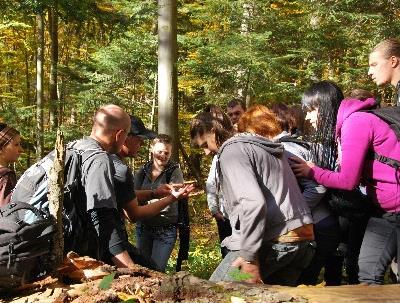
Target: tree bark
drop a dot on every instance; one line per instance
(56, 197)
(153, 111)
(195, 172)
(244, 74)
(39, 84)
(167, 72)
(53, 32)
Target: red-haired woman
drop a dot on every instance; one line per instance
(258, 120)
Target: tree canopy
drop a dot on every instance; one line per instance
(107, 53)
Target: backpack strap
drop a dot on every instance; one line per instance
(170, 171)
(300, 142)
(386, 160)
(10, 208)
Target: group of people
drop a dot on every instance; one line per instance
(274, 189)
(111, 194)
(268, 187)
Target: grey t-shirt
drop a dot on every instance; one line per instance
(124, 184)
(97, 175)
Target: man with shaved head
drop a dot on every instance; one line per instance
(106, 206)
(101, 201)
(110, 127)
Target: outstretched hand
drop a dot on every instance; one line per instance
(300, 167)
(182, 192)
(163, 190)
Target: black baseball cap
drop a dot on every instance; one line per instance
(138, 129)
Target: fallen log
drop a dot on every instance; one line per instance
(139, 284)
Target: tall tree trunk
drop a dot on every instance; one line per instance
(244, 74)
(53, 31)
(39, 83)
(153, 111)
(27, 97)
(167, 73)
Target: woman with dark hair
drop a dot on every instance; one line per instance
(215, 199)
(364, 139)
(272, 235)
(321, 101)
(10, 150)
(326, 225)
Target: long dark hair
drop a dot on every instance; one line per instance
(326, 96)
(207, 122)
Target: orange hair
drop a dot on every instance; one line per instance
(259, 120)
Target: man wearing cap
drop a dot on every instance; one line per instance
(127, 197)
(130, 148)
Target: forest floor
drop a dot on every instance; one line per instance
(109, 285)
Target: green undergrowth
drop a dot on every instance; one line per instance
(204, 250)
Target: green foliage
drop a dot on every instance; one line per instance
(237, 275)
(105, 283)
(204, 257)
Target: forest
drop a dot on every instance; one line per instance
(62, 59)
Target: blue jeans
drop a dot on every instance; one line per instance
(156, 242)
(378, 249)
(280, 263)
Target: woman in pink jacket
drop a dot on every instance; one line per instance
(361, 134)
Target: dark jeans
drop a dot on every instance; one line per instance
(352, 234)
(137, 256)
(280, 263)
(224, 230)
(157, 242)
(378, 249)
(356, 231)
(140, 258)
(327, 237)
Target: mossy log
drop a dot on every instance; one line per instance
(146, 286)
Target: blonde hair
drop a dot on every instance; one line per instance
(389, 47)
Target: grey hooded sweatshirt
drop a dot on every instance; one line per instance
(263, 199)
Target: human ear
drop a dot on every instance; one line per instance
(119, 135)
(394, 61)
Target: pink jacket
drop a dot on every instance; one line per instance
(359, 133)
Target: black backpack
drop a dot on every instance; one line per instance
(24, 247)
(32, 188)
(391, 115)
(344, 203)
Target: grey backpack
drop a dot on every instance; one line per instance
(33, 188)
(24, 247)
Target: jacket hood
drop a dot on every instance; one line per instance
(274, 148)
(349, 106)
